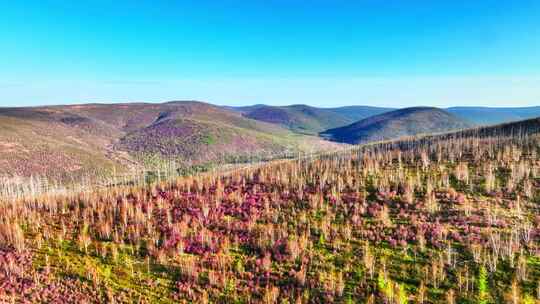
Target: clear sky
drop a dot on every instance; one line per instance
(323, 53)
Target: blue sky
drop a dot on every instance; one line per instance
(324, 53)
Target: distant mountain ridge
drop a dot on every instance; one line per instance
(491, 116)
(480, 116)
(398, 123)
(71, 140)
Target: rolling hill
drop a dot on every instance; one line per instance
(298, 118)
(307, 119)
(73, 140)
(398, 123)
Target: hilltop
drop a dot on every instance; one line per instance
(398, 123)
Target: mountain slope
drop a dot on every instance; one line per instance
(490, 116)
(398, 123)
(74, 140)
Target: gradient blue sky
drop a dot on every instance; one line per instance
(324, 53)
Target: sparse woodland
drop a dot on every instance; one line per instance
(443, 219)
